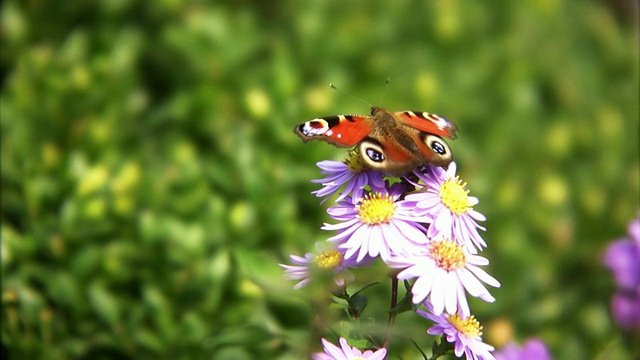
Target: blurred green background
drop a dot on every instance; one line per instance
(151, 181)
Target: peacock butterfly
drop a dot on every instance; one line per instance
(392, 142)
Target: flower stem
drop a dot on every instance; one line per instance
(392, 314)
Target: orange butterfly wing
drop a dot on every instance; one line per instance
(427, 122)
(339, 130)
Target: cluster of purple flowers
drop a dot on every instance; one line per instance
(623, 259)
(423, 225)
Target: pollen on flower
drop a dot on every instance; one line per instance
(448, 255)
(328, 260)
(376, 209)
(354, 162)
(454, 196)
(470, 327)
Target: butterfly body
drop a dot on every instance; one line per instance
(392, 142)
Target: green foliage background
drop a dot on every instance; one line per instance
(151, 182)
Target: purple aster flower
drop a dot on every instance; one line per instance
(464, 332)
(311, 264)
(351, 172)
(532, 349)
(345, 352)
(379, 225)
(625, 307)
(446, 205)
(443, 273)
(623, 259)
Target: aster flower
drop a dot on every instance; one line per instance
(464, 332)
(326, 261)
(623, 259)
(352, 174)
(625, 307)
(446, 205)
(378, 225)
(444, 271)
(532, 349)
(345, 352)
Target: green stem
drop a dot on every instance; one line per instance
(392, 314)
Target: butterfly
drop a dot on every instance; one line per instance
(392, 142)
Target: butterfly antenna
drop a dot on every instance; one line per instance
(386, 86)
(349, 95)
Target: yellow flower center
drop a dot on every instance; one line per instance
(376, 209)
(454, 196)
(354, 162)
(470, 327)
(328, 260)
(447, 254)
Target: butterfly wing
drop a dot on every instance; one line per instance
(339, 130)
(388, 156)
(427, 122)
